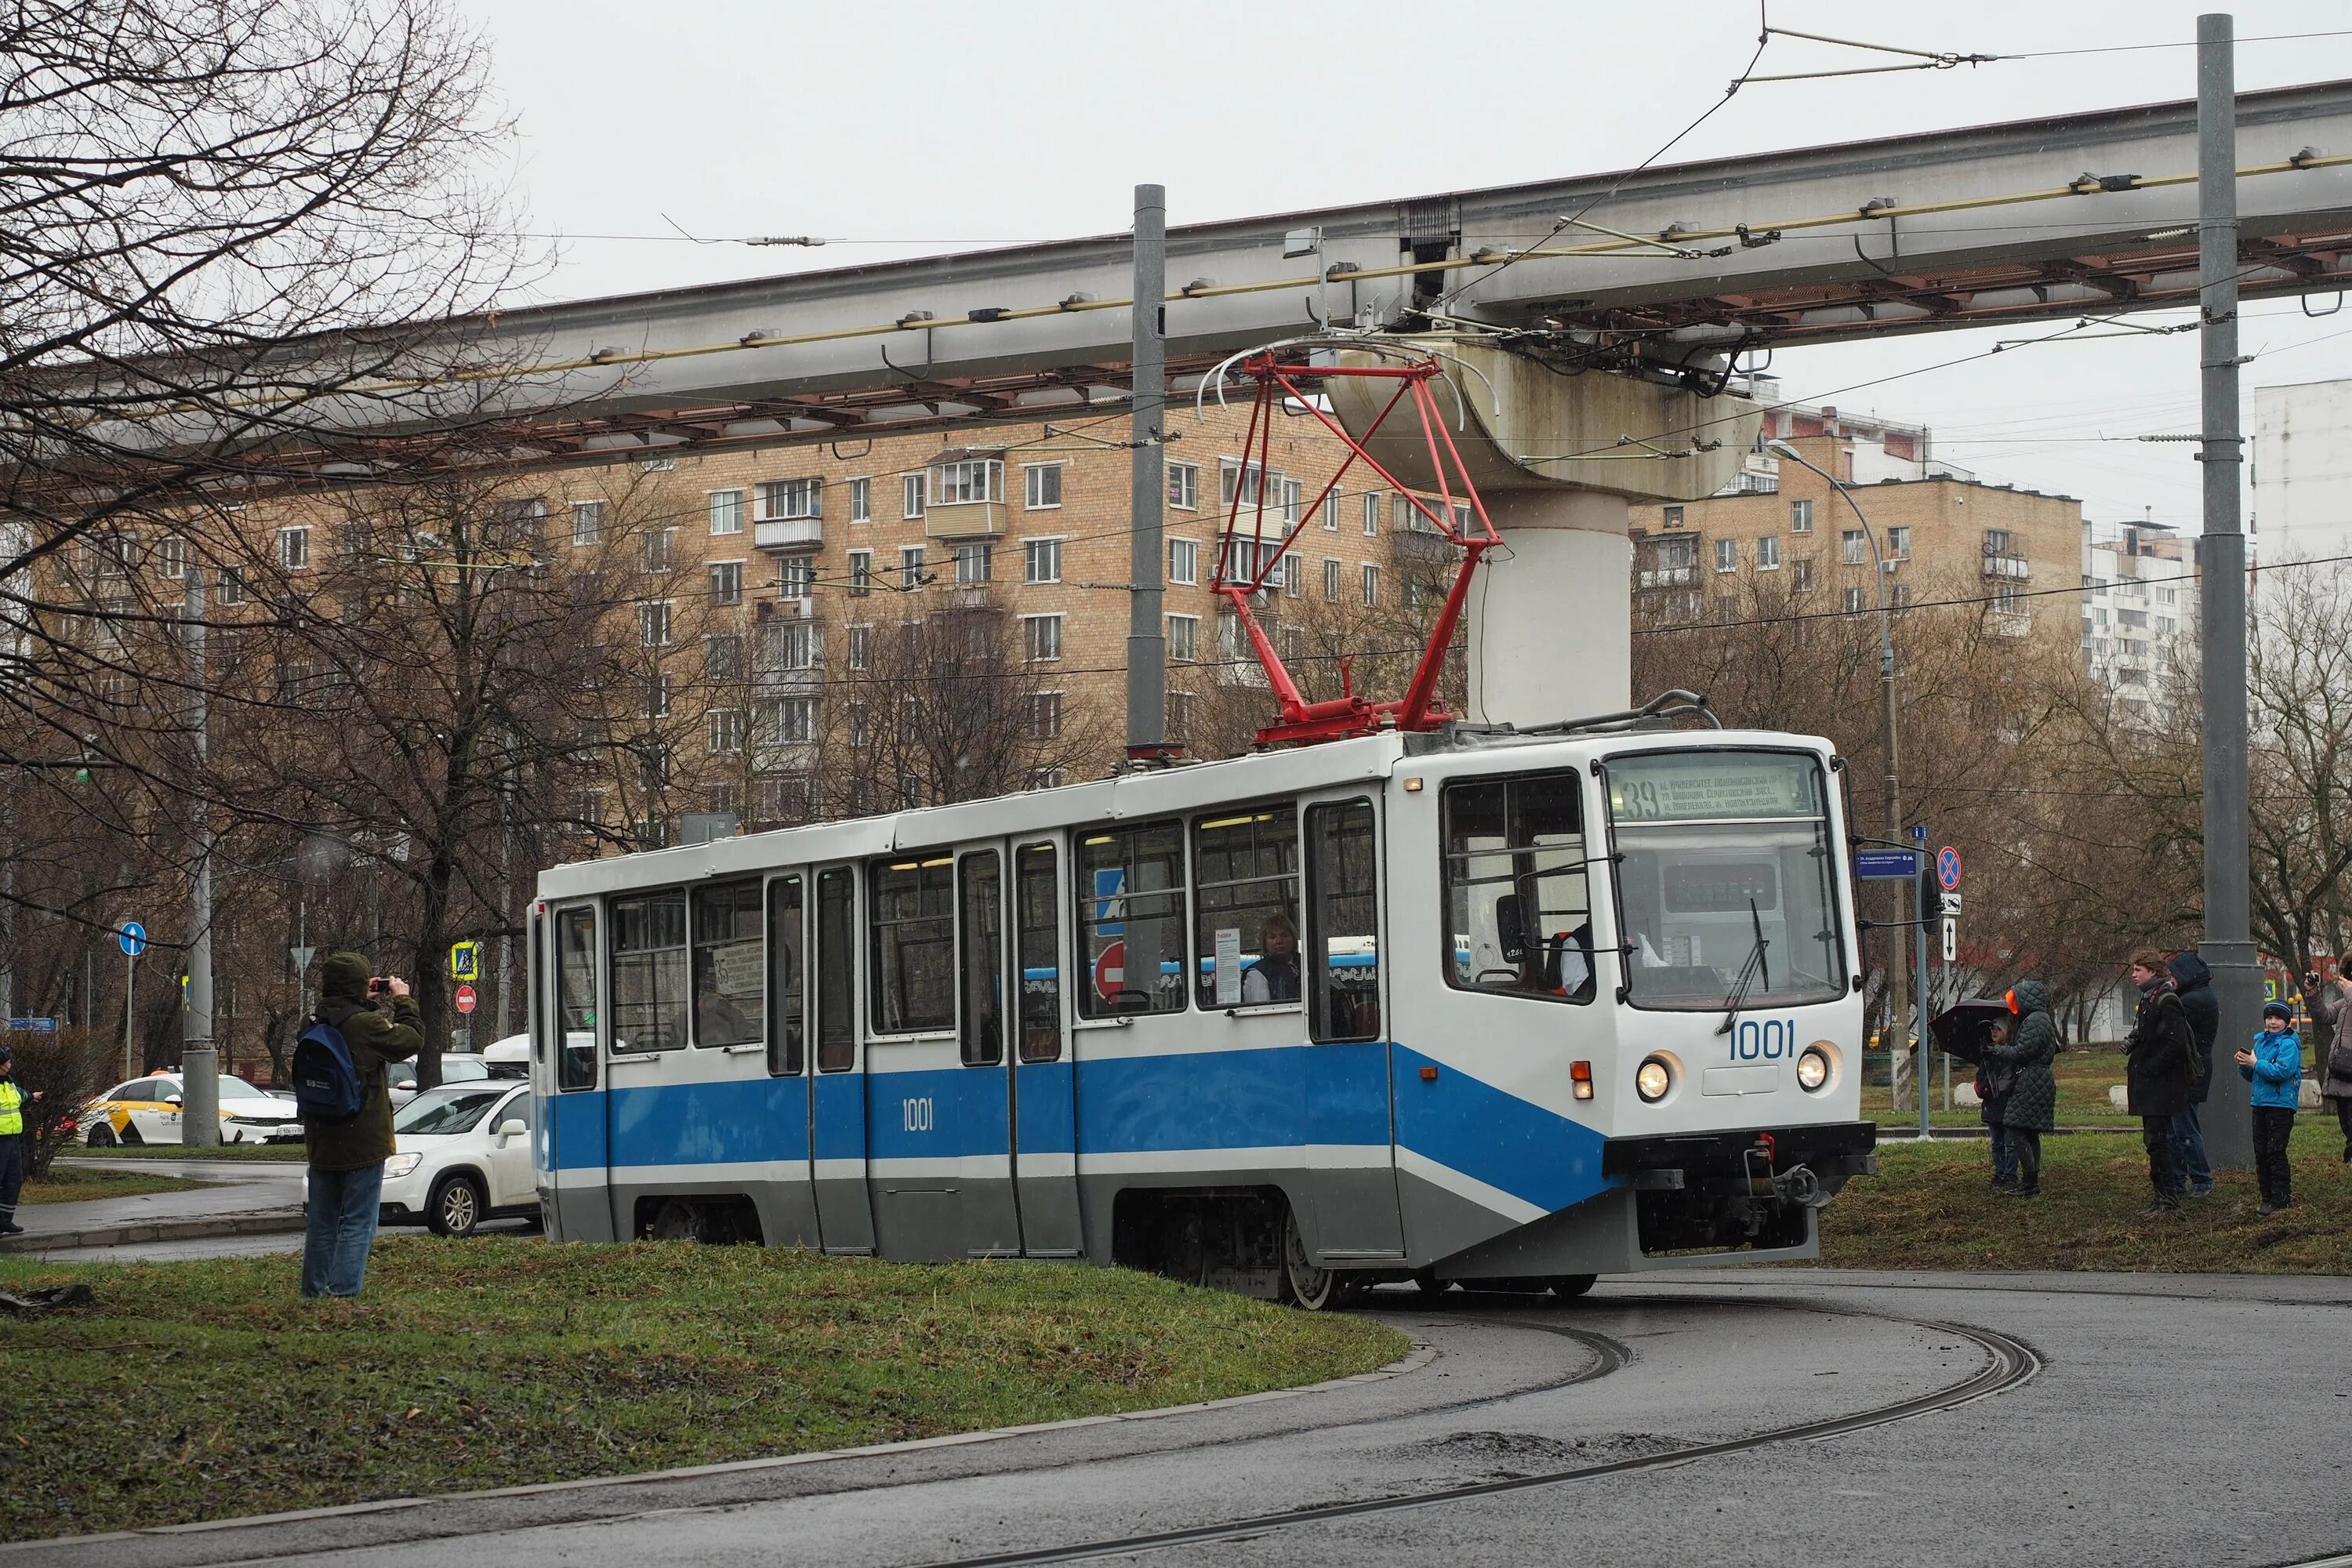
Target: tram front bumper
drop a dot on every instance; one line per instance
(1750, 1188)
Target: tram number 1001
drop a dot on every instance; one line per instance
(915, 1115)
(1764, 1039)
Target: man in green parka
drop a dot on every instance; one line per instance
(347, 1157)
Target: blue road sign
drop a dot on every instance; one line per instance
(33, 1026)
(1919, 833)
(132, 937)
(1948, 867)
(1885, 865)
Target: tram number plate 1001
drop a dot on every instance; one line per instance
(915, 1115)
(1764, 1039)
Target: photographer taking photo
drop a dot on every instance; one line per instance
(347, 1154)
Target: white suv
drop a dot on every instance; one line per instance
(462, 1155)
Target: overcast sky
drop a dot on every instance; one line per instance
(910, 128)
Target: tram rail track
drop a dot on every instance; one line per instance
(2009, 1362)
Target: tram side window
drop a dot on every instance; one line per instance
(1039, 953)
(911, 914)
(787, 967)
(575, 998)
(980, 916)
(1343, 943)
(836, 1030)
(1518, 912)
(649, 972)
(729, 971)
(1246, 871)
(1130, 893)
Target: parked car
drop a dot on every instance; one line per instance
(455, 1068)
(462, 1156)
(147, 1111)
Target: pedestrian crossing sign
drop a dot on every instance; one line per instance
(465, 960)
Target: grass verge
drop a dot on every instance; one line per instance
(293, 1151)
(1929, 1207)
(78, 1183)
(198, 1389)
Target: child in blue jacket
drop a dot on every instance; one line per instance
(2275, 1067)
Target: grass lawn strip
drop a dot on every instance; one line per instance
(79, 1184)
(1929, 1207)
(204, 1387)
(261, 1152)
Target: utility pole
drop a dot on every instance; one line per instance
(199, 1063)
(1146, 646)
(2228, 948)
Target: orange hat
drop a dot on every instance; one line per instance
(2010, 998)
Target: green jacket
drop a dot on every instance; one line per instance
(366, 1139)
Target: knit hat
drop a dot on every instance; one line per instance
(2278, 1010)
(345, 975)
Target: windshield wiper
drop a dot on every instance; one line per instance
(1755, 966)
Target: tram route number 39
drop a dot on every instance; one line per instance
(915, 1115)
(1764, 1039)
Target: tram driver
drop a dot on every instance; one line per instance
(1274, 976)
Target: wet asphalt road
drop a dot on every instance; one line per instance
(2173, 1421)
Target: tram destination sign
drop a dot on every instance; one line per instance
(1697, 786)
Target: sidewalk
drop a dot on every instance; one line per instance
(240, 1198)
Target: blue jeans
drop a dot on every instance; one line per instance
(338, 1228)
(2004, 1155)
(2189, 1162)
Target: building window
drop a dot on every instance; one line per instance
(861, 725)
(975, 563)
(1996, 542)
(1239, 482)
(1044, 485)
(1855, 547)
(1899, 595)
(789, 646)
(654, 549)
(795, 577)
(1331, 511)
(1041, 637)
(232, 586)
(793, 719)
(1330, 580)
(726, 512)
(653, 623)
(1372, 513)
(1800, 574)
(1673, 517)
(861, 648)
(790, 499)
(1043, 715)
(726, 583)
(657, 691)
(1183, 561)
(172, 557)
(1801, 517)
(968, 481)
(587, 524)
(1854, 602)
(914, 488)
(1372, 584)
(1041, 560)
(1184, 638)
(1898, 544)
(1405, 512)
(1726, 555)
(294, 549)
(1184, 486)
(726, 726)
(861, 573)
(1179, 716)
(1294, 497)
(910, 566)
(861, 500)
(723, 658)
(1768, 553)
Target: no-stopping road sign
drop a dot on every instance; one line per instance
(1948, 867)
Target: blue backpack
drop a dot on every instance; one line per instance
(326, 1080)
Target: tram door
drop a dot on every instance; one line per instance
(564, 1072)
(1348, 1080)
(985, 1112)
(837, 1094)
(792, 1103)
(1044, 1098)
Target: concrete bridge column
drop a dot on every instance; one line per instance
(1550, 619)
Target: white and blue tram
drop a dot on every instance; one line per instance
(1483, 1007)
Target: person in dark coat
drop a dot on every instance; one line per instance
(2157, 1073)
(2331, 1004)
(2031, 1107)
(1994, 1081)
(346, 1158)
(2195, 984)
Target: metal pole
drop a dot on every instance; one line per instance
(199, 1062)
(1920, 947)
(130, 989)
(2228, 948)
(1147, 648)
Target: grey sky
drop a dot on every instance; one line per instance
(903, 128)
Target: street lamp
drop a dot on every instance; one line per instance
(1886, 688)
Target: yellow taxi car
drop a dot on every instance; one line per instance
(147, 1111)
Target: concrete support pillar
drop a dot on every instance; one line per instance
(1550, 623)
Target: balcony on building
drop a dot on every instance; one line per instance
(1419, 539)
(2001, 564)
(788, 514)
(965, 496)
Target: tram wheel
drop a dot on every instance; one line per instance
(1310, 1289)
(1568, 1286)
(675, 1221)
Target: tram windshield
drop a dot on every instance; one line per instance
(1725, 879)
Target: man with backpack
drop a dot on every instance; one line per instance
(341, 1088)
(2162, 1066)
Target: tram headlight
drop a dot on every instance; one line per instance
(1813, 1070)
(1653, 1078)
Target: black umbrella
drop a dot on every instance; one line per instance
(1961, 1030)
